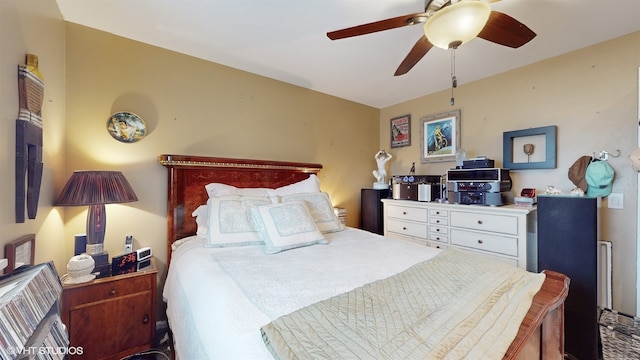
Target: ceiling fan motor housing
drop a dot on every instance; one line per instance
(457, 24)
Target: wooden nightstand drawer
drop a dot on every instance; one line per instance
(107, 290)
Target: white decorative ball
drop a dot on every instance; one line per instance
(80, 266)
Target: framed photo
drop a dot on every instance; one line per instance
(20, 252)
(401, 131)
(440, 137)
(530, 149)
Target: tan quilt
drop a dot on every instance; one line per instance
(454, 306)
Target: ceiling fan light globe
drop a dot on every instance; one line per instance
(457, 24)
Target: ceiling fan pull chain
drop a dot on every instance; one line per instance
(454, 80)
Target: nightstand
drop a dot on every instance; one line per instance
(114, 316)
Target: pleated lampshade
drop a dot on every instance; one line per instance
(95, 189)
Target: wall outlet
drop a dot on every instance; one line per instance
(615, 201)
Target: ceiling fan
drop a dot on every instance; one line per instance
(448, 24)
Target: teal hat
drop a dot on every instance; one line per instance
(599, 176)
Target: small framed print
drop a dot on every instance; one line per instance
(530, 148)
(401, 131)
(20, 252)
(440, 137)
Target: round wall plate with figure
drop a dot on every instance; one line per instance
(126, 127)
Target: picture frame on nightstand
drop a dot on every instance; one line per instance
(20, 252)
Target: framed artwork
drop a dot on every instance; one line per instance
(440, 137)
(20, 252)
(401, 131)
(530, 148)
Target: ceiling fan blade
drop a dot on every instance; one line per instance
(376, 26)
(504, 30)
(418, 51)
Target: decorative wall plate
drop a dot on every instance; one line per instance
(126, 127)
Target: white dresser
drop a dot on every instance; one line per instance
(506, 233)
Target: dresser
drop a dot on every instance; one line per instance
(568, 243)
(371, 209)
(506, 233)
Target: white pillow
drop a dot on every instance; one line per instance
(230, 223)
(320, 208)
(201, 219)
(286, 226)
(311, 184)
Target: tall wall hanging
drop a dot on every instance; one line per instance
(29, 139)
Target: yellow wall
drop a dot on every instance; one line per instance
(592, 97)
(199, 108)
(36, 27)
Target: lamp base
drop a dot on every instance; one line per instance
(102, 267)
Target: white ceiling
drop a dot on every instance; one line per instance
(286, 39)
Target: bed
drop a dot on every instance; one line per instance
(248, 299)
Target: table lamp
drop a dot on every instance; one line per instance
(95, 189)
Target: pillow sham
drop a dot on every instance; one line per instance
(320, 208)
(286, 226)
(311, 184)
(201, 219)
(230, 223)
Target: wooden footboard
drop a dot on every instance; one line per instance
(541, 334)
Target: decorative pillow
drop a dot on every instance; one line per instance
(286, 226)
(230, 223)
(320, 208)
(201, 219)
(311, 184)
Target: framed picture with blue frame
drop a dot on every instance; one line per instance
(440, 137)
(533, 148)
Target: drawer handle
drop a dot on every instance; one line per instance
(404, 228)
(480, 222)
(437, 221)
(145, 319)
(437, 230)
(404, 213)
(437, 238)
(480, 241)
(112, 292)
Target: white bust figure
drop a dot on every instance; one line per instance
(381, 174)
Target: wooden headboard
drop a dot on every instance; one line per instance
(188, 175)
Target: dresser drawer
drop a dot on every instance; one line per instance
(438, 221)
(438, 212)
(495, 223)
(442, 230)
(407, 228)
(493, 243)
(407, 213)
(438, 237)
(436, 245)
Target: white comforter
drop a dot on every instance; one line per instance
(218, 298)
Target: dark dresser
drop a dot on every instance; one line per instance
(568, 243)
(371, 218)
